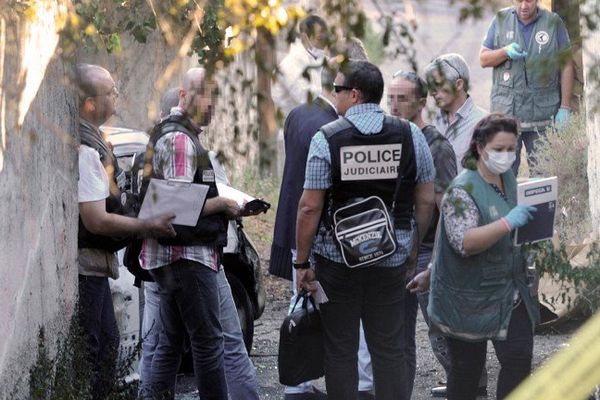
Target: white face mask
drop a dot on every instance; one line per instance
(499, 162)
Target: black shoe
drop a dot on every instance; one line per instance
(365, 395)
(316, 395)
(440, 391)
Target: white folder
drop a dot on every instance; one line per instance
(184, 199)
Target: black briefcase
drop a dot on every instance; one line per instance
(300, 357)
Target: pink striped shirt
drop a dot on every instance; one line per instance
(175, 157)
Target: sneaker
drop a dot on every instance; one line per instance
(315, 395)
(440, 391)
(366, 395)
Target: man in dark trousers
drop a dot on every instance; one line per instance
(400, 172)
(407, 95)
(300, 126)
(103, 227)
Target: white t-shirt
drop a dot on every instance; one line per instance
(93, 180)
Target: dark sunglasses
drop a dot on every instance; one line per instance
(339, 88)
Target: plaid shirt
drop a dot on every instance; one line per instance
(460, 131)
(368, 118)
(175, 157)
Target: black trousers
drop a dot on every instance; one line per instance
(514, 354)
(97, 319)
(375, 295)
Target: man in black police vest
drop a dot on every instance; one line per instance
(364, 154)
(186, 267)
(103, 227)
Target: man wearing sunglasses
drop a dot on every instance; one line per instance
(448, 81)
(364, 140)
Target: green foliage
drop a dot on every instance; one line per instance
(68, 376)
(99, 24)
(563, 153)
(585, 280)
(372, 42)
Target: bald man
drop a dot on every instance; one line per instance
(103, 229)
(186, 267)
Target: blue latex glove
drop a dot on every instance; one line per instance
(514, 51)
(519, 216)
(562, 117)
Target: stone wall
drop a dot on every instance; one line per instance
(38, 188)
(144, 71)
(591, 49)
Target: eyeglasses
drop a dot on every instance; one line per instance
(339, 88)
(453, 67)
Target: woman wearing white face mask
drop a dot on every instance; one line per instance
(479, 288)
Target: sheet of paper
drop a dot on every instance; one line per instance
(320, 296)
(233, 194)
(184, 199)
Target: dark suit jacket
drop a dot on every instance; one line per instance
(300, 126)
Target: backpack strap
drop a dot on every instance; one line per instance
(336, 126)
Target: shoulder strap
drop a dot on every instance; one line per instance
(336, 126)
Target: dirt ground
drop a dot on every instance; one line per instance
(429, 372)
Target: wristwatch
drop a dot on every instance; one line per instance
(302, 265)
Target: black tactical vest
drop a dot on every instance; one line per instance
(382, 165)
(210, 230)
(118, 202)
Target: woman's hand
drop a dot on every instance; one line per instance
(519, 216)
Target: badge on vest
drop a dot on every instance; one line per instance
(361, 163)
(510, 35)
(542, 38)
(506, 76)
(493, 212)
(208, 175)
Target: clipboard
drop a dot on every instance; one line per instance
(183, 198)
(542, 194)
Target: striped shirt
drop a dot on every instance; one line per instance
(460, 131)
(368, 119)
(175, 157)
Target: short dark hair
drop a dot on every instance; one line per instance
(420, 84)
(485, 131)
(365, 77)
(308, 24)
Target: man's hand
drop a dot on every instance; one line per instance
(305, 279)
(160, 226)
(230, 207)
(411, 265)
(515, 52)
(420, 283)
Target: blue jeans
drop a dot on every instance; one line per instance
(374, 295)
(189, 302)
(97, 319)
(239, 371)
